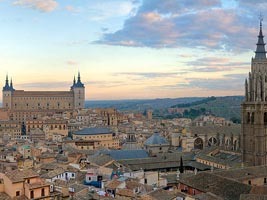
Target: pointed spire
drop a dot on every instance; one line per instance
(7, 80)
(74, 80)
(11, 85)
(79, 77)
(260, 52)
(79, 82)
(6, 87)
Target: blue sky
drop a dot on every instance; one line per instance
(130, 49)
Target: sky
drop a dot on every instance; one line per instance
(130, 49)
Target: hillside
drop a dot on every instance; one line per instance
(141, 104)
(227, 107)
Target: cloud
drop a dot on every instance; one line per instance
(148, 75)
(72, 62)
(215, 64)
(228, 82)
(72, 9)
(185, 23)
(41, 5)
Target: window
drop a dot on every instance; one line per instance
(265, 118)
(249, 182)
(248, 117)
(265, 180)
(32, 194)
(17, 193)
(43, 192)
(252, 118)
(145, 180)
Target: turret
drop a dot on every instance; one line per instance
(79, 92)
(79, 83)
(11, 86)
(6, 87)
(7, 94)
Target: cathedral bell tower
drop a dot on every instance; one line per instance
(254, 109)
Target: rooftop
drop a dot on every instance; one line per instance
(156, 139)
(20, 175)
(209, 182)
(93, 131)
(126, 154)
(241, 174)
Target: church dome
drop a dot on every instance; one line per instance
(156, 139)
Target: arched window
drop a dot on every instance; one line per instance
(248, 117)
(212, 141)
(198, 143)
(265, 118)
(252, 118)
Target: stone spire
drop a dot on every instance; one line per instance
(74, 80)
(11, 85)
(79, 77)
(6, 87)
(260, 52)
(79, 82)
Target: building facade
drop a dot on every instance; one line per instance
(94, 138)
(20, 100)
(254, 109)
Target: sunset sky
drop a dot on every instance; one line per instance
(130, 49)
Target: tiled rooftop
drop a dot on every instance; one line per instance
(20, 175)
(221, 186)
(243, 173)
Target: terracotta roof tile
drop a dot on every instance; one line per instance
(20, 175)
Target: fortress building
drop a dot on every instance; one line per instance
(254, 109)
(34, 101)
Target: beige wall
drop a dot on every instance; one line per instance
(214, 164)
(104, 140)
(37, 192)
(259, 181)
(12, 188)
(101, 137)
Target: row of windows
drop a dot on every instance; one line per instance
(96, 136)
(51, 127)
(32, 193)
(251, 118)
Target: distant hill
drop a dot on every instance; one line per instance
(227, 107)
(141, 105)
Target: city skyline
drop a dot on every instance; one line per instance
(130, 49)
